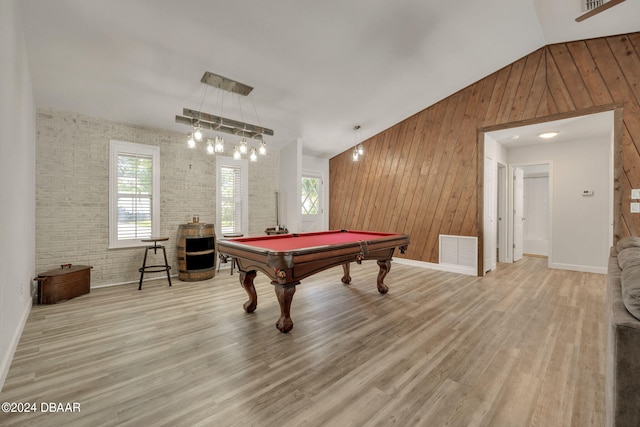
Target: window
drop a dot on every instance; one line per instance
(134, 188)
(232, 196)
(310, 195)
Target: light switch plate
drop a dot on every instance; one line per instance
(635, 194)
(635, 207)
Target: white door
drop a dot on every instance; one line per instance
(518, 213)
(490, 229)
(503, 253)
(311, 202)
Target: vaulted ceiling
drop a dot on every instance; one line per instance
(317, 68)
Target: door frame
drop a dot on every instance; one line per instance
(491, 211)
(510, 206)
(618, 111)
(504, 255)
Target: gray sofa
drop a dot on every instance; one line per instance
(623, 334)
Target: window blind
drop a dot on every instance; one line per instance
(134, 196)
(231, 200)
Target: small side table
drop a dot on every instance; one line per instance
(154, 268)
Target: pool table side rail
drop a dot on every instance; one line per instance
(288, 267)
(244, 244)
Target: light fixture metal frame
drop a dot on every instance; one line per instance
(222, 124)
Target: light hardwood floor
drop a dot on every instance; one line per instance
(523, 346)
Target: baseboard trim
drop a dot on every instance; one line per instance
(13, 345)
(108, 285)
(470, 271)
(581, 268)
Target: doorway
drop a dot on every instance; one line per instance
(536, 209)
(582, 208)
(531, 213)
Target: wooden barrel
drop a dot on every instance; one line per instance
(195, 249)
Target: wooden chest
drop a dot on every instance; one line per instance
(63, 283)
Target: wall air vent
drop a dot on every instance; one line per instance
(593, 7)
(460, 253)
(591, 4)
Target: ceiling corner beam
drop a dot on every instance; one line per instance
(598, 9)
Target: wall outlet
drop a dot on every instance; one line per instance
(635, 194)
(635, 207)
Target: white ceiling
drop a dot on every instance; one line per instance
(598, 125)
(317, 68)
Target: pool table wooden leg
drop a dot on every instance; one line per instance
(246, 280)
(285, 295)
(385, 266)
(346, 279)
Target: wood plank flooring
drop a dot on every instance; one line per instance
(523, 346)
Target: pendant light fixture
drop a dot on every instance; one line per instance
(201, 122)
(358, 150)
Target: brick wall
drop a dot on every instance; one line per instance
(72, 192)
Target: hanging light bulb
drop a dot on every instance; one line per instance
(358, 150)
(253, 156)
(236, 153)
(219, 146)
(209, 147)
(190, 142)
(263, 148)
(197, 132)
(243, 146)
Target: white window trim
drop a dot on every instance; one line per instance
(244, 177)
(115, 148)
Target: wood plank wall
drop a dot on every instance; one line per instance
(420, 176)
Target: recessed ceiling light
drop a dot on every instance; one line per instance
(548, 135)
(515, 136)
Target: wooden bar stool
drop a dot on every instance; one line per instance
(154, 268)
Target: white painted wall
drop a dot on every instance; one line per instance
(17, 184)
(290, 186)
(580, 225)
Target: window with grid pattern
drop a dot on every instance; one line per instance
(310, 195)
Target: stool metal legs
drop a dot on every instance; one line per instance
(222, 258)
(154, 268)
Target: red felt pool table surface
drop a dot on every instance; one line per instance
(292, 242)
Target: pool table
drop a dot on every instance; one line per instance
(288, 258)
